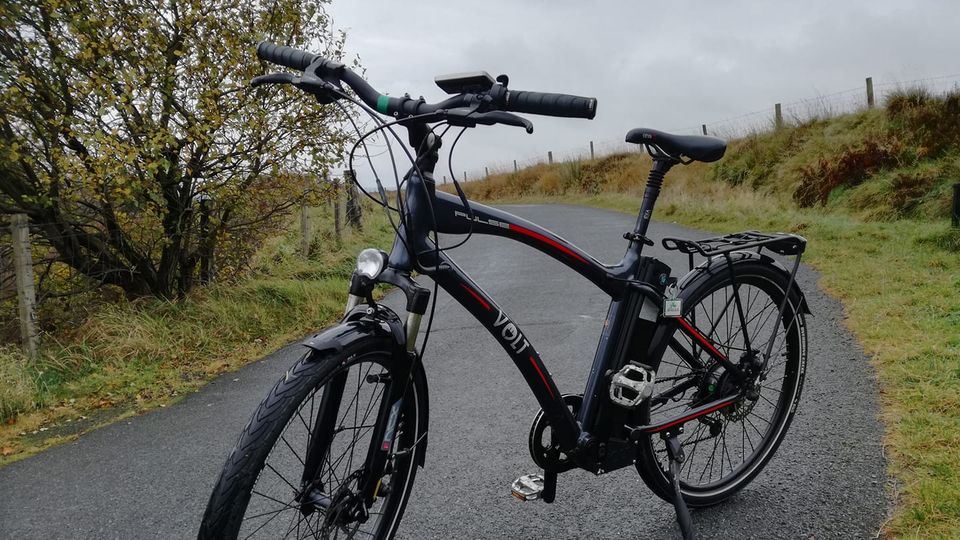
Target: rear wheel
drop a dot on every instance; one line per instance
(330, 403)
(726, 449)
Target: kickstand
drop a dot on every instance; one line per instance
(675, 454)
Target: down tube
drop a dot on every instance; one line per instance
(511, 338)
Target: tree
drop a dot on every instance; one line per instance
(118, 117)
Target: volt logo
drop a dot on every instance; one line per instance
(510, 333)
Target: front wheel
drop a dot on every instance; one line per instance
(726, 449)
(297, 470)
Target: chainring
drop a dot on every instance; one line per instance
(546, 454)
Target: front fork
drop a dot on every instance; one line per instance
(382, 439)
(381, 448)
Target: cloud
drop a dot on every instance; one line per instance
(666, 65)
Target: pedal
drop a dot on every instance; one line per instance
(632, 384)
(528, 487)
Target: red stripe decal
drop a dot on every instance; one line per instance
(549, 241)
(695, 415)
(542, 377)
(699, 337)
(477, 297)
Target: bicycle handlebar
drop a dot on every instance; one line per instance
(498, 97)
(564, 105)
(285, 56)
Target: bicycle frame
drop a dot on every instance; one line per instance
(632, 282)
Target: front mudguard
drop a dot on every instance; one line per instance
(363, 328)
(376, 328)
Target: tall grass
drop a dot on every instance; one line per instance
(130, 356)
(16, 384)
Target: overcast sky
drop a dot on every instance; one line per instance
(668, 65)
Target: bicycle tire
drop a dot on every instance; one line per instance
(755, 278)
(229, 504)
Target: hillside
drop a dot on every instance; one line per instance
(877, 165)
(871, 191)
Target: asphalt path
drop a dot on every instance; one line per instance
(150, 476)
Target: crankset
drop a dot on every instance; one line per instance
(544, 449)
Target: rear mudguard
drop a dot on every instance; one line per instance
(693, 279)
(378, 328)
(720, 264)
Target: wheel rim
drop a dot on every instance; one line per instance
(726, 447)
(281, 506)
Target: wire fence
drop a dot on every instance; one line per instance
(763, 120)
(585, 151)
(829, 105)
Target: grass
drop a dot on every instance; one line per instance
(874, 212)
(130, 357)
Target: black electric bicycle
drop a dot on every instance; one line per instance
(695, 380)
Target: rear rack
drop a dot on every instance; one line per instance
(782, 243)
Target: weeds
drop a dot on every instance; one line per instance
(848, 167)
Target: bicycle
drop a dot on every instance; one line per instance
(681, 364)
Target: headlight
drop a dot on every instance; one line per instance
(370, 262)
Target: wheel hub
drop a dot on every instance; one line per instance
(340, 509)
(345, 508)
(718, 382)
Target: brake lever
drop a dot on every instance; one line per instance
(272, 78)
(500, 117)
(325, 90)
(465, 117)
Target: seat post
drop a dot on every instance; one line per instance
(654, 182)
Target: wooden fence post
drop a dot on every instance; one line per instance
(869, 92)
(207, 244)
(464, 176)
(444, 179)
(26, 295)
(354, 211)
(777, 116)
(515, 166)
(304, 231)
(550, 157)
(591, 151)
(486, 172)
(337, 234)
(704, 126)
(956, 205)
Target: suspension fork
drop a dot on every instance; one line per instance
(395, 393)
(322, 434)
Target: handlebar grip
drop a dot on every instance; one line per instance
(547, 104)
(285, 56)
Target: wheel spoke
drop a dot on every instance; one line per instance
(336, 478)
(683, 375)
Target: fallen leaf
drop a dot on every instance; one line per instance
(11, 421)
(7, 450)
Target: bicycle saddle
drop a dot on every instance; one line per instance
(696, 147)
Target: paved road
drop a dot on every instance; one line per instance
(149, 477)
